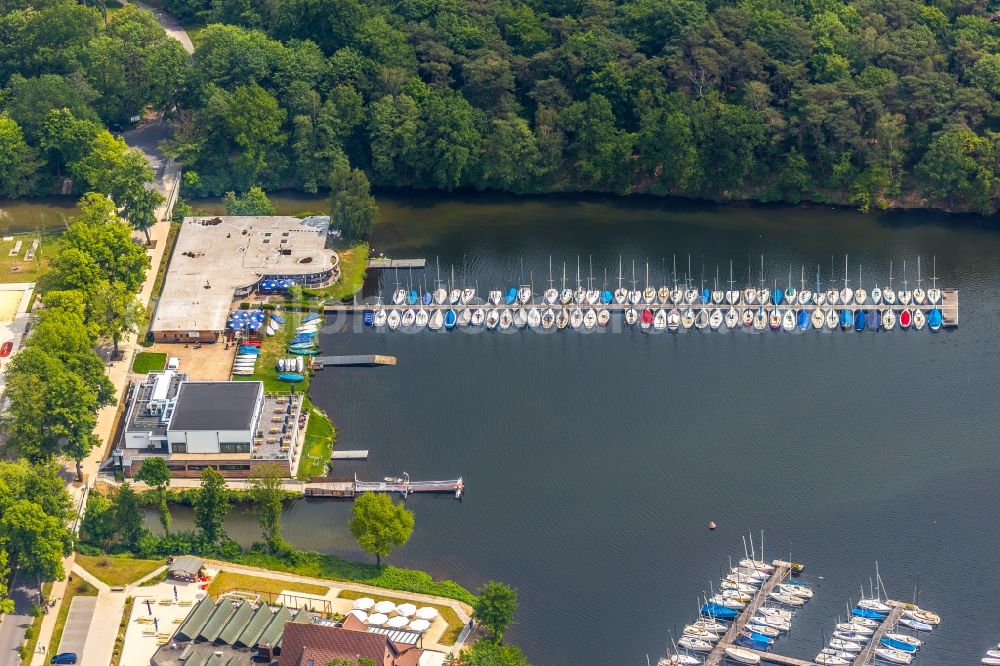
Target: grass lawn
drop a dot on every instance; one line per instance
(448, 614)
(147, 362)
(78, 587)
(17, 269)
(117, 570)
(353, 264)
(320, 437)
(227, 580)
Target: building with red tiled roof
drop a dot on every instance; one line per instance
(317, 645)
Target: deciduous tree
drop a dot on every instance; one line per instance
(268, 495)
(352, 206)
(494, 608)
(211, 505)
(379, 525)
(154, 473)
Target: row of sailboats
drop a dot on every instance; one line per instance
(771, 617)
(585, 307)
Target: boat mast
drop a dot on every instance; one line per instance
(934, 277)
(590, 280)
(578, 272)
(802, 278)
(918, 271)
(675, 271)
(620, 275)
(890, 275)
(634, 281)
(551, 283)
(730, 275)
(845, 271)
(564, 276)
(904, 274)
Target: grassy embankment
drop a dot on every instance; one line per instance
(227, 580)
(147, 362)
(117, 570)
(77, 587)
(448, 614)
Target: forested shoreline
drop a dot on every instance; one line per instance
(872, 103)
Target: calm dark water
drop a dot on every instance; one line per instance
(593, 462)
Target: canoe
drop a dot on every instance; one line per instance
(304, 352)
(242, 372)
(290, 376)
(308, 318)
(278, 318)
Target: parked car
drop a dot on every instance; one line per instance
(63, 658)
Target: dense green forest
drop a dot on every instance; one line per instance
(872, 102)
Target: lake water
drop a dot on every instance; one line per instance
(28, 215)
(593, 462)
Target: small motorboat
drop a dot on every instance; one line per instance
(986, 661)
(304, 352)
(893, 656)
(281, 364)
(742, 655)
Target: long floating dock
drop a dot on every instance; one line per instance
(349, 488)
(366, 359)
(384, 262)
(782, 570)
(350, 455)
(867, 654)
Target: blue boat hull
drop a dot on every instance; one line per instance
(449, 319)
(860, 318)
(898, 645)
(290, 377)
(369, 318)
(277, 318)
(411, 298)
(846, 319)
(868, 614)
(511, 296)
(803, 320)
(719, 612)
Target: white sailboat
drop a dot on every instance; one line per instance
(492, 319)
(478, 317)
(904, 295)
(934, 294)
(506, 319)
(634, 296)
(464, 317)
(732, 318)
(660, 319)
(590, 318)
(534, 318)
(436, 320)
(846, 294)
(409, 316)
(649, 293)
(393, 319)
(551, 294)
(548, 318)
(732, 295)
(673, 320)
(860, 295)
(918, 294)
(717, 295)
(888, 294)
(566, 295)
(621, 294)
(805, 296)
(422, 317)
(440, 293)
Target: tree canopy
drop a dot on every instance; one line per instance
(494, 608)
(379, 525)
(211, 505)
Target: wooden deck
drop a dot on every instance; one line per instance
(782, 570)
(365, 359)
(867, 655)
(380, 262)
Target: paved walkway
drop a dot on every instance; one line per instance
(169, 24)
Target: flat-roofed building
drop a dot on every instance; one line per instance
(220, 259)
(231, 426)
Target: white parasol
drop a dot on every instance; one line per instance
(364, 603)
(397, 622)
(420, 625)
(377, 620)
(385, 607)
(406, 610)
(360, 614)
(427, 613)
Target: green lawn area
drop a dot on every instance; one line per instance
(448, 613)
(227, 580)
(17, 269)
(276, 347)
(77, 587)
(117, 570)
(320, 437)
(353, 264)
(147, 362)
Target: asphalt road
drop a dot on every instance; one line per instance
(12, 627)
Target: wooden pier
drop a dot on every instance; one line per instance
(867, 654)
(350, 455)
(347, 487)
(782, 570)
(366, 359)
(385, 262)
(948, 307)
